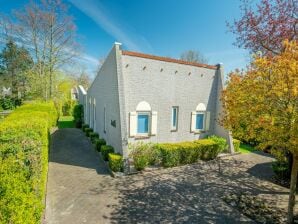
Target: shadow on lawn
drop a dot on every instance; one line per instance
(189, 194)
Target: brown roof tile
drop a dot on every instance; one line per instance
(166, 59)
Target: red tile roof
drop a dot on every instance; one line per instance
(166, 59)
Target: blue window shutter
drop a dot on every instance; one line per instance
(200, 121)
(143, 122)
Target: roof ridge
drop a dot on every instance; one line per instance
(167, 59)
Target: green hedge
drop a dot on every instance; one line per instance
(99, 143)
(116, 162)
(78, 115)
(144, 154)
(93, 136)
(105, 150)
(84, 126)
(24, 141)
(236, 144)
(88, 131)
(222, 142)
(175, 154)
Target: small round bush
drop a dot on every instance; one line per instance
(84, 126)
(116, 162)
(88, 131)
(99, 143)
(93, 136)
(105, 150)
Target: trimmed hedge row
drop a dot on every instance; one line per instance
(174, 154)
(24, 141)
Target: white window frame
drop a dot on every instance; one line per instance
(204, 120)
(174, 128)
(149, 123)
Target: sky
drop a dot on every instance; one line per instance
(159, 27)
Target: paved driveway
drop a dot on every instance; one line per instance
(81, 191)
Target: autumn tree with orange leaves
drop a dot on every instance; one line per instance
(262, 104)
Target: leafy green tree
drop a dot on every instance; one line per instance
(262, 104)
(15, 61)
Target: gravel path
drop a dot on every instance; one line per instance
(81, 191)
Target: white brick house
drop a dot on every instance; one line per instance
(140, 97)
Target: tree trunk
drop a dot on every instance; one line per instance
(293, 189)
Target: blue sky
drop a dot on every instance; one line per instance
(160, 27)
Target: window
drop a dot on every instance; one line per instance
(174, 118)
(143, 123)
(200, 121)
(94, 117)
(104, 120)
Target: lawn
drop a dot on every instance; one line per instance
(245, 148)
(66, 122)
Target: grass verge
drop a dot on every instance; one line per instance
(245, 148)
(66, 122)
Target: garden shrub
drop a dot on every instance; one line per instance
(8, 103)
(222, 142)
(99, 143)
(24, 141)
(208, 148)
(105, 150)
(67, 107)
(78, 114)
(84, 126)
(143, 154)
(174, 154)
(170, 154)
(116, 162)
(281, 170)
(236, 144)
(93, 136)
(88, 131)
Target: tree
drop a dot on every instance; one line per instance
(84, 80)
(193, 56)
(49, 32)
(265, 28)
(14, 63)
(268, 112)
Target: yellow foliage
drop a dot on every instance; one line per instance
(262, 103)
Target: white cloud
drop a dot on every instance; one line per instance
(88, 58)
(94, 10)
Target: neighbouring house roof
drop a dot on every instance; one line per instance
(166, 59)
(82, 90)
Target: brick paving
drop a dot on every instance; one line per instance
(80, 189)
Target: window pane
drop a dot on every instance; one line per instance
(174, 117)
(143, 123)
(199, 121)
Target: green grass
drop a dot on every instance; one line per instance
(66, 122)
(244, 148)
